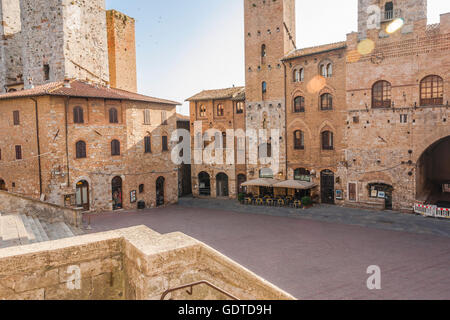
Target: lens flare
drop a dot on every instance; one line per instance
(353, 56)
(366, 46)
(316, 84)
(395, 25)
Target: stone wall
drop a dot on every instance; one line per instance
(85, 40)
(61, 170)
(11, 203)
(134, 263)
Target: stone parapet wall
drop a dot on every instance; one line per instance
(133, 263)
(11, 203)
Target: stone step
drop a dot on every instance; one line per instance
(41, 230)
(34, 229)
(30, 231)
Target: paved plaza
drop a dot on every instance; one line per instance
(320, 253)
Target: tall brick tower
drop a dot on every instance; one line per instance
(387, 10)
(269, 36)
(122, 50)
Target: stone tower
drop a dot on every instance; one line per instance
(53, 40)
(269, 36)
(375, 14)
(11, 67)
(122, 50)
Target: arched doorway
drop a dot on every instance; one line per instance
(82, 195)
(160, 201)
(204, 184)
(327, 186)
(2, 185)
(222, 185)
(241, 178)
(433, 174)
(382, 191)
(117, 193)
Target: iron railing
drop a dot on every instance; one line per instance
(191, 286)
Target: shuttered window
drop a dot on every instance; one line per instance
(18, 152)
(16, 118)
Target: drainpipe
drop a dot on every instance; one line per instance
(38, 145)
(285, 120)
(66, 108)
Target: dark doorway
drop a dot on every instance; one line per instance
(241, 178)
(117, 193)
(222, 185)
(382, 191)
(82, 195)
(204, 184)
(327, 186)
(160, 201)
(2, 185)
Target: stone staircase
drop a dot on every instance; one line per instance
(17, 230)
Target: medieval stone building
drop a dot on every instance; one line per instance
(366, 119)
(72, 129)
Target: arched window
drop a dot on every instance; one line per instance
(263, 54)
(264, 89)
(148, 144)
(165, 143)
(431, 91)
(327, 140)
(220, 110)
(326, 102)
(323, 71)
(326, 70)
(115, 148)
(78, 116)
(113, 116)
(381, 95)
(299, 140)
(81, 149)
(299, 104)
(329, 70)
(202, 111)
(299, 75)
(301, 174)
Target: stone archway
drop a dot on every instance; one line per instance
(160, 186)
(117, 193)
(222, 185)
(204, 184)
(433, 173)
(327, 186)
(82, 195)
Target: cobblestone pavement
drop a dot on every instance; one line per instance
(320, 257)
(388, 220)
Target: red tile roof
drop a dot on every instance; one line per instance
(315, 50)
(237, 93)
(82, 89)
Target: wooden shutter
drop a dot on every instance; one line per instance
(352, 191)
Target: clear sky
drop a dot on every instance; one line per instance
(185, 46)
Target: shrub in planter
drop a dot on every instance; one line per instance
(306, 201)
(241, 197)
